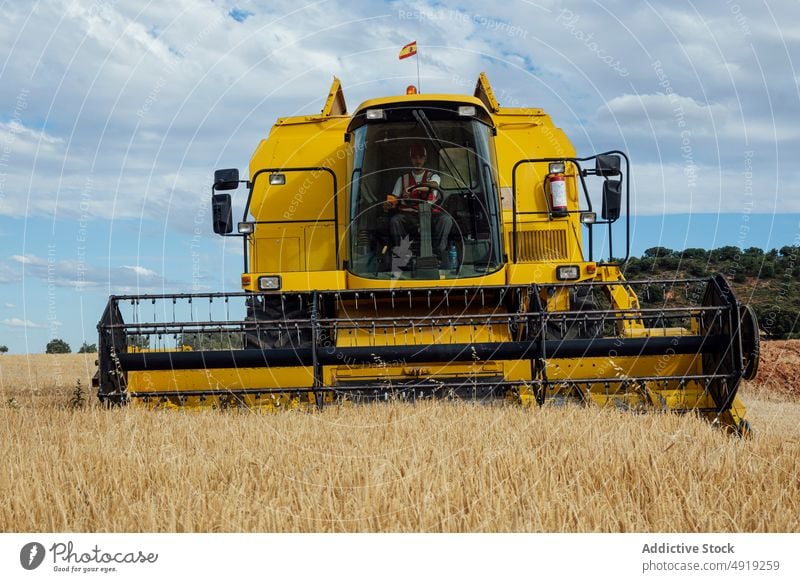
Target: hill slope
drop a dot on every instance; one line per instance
(768, 281)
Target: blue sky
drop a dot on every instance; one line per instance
(113, 116)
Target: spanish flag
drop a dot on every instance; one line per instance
(408, 51)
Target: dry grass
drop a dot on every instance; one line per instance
(42, 379)
(424, 467)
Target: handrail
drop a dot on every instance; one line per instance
(584, 188)
(335, 219)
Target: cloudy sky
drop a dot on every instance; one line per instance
(114, 114)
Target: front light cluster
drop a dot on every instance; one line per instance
(568, 272)
(271, 283)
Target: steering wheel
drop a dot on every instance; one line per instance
(423, 193)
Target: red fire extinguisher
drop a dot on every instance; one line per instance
(558, 194)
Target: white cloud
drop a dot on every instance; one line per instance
(660, 113)
(663, 115)
(27, 138)
(80, 275)
(9, 305)
(141, 271)
(26, 323)
(687, 188)
(8, 274)
(28, 260)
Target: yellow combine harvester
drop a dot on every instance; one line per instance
(430, 246)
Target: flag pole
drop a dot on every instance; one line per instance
(419, 86)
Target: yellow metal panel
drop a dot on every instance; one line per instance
(541, 272)
(303, 280)
(406, 335)
(355, 282)
(622, 367)
(220, 379)
(511, 370)
(306, 195)
(395, 370)
(320, 248)
(484, 92)
(334, 104)
(281, 253)
(314, 280)
(520, 140)
(291, 248)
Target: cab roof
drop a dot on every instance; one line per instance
(421, 98)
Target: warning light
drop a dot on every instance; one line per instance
(411, 90)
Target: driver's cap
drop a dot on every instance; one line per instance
(417, 150)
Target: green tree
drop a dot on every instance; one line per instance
(88, 348)
(749, 265)
(777, 323)
(728, 253)
(767, 271)
(57, 346)
(632, 268)
(695, 253)
(696, 269)
(3, 349)
(656, 252)
(754, 252)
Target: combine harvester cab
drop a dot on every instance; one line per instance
(371, 275)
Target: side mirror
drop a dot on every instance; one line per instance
(226, 179)
(612, 199)
(607, 165)
(221, 214)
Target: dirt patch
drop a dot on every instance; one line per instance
(779, 368)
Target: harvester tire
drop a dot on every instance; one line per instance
(276, 313)
(581, 299)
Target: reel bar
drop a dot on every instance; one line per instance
(349, 323)
(453, 292)
(412, 354)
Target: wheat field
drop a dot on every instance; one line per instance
(432, 466)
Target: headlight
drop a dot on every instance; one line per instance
(557, 167)
(568, 272)
(467, 111)
(246, 227)
(277, 179)
(375, 114)
(272, 283)
(588, 217)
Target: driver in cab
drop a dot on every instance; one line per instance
(420, 185)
